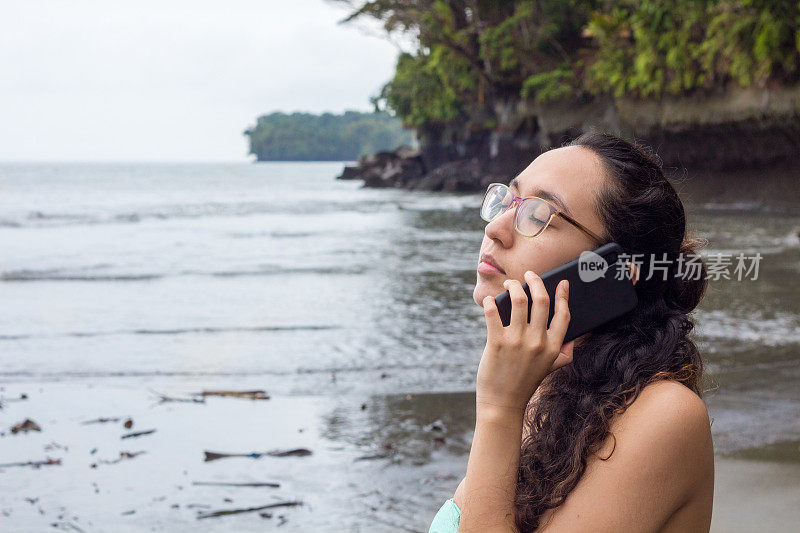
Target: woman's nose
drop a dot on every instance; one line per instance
(502, 227)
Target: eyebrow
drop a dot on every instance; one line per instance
(547, 195)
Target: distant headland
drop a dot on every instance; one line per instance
(324, 137)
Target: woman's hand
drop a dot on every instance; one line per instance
(519, 356)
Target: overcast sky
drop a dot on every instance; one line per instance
(174, 80)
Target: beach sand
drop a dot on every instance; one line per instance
(752, 495)
(378, 463)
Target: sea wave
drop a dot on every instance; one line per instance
(187, 211)
(26, 275)
(55, 275)
(777, 330)
(204, 373)
(173, 331)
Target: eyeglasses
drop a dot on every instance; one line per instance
(533, 214)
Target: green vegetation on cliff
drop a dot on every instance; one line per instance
(327, 137)
(477, 55)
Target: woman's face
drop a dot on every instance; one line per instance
(573, 174)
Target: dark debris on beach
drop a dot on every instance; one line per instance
(213, 456)
(225, 512)
(25, 426)
(230, 484)
(246, 394)
(122, 456)
(35, 464)
(28, 425)
(137, 434)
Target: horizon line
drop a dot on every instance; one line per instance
(159, 161)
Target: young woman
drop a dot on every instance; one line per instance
(606, 433)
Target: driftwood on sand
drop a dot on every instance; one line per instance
(162, 398)
(102, 420)
(200, 397)
(248, 394)
(35, 464)
(222, 484)
(138, 434)
(247, 509)
(213, 456)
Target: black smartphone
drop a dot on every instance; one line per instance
(600, 290)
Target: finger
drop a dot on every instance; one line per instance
(494, 326)
(564, 356)
(519, 307)
(561, 315)
(541, 304)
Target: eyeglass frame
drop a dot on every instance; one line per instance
(555, 211)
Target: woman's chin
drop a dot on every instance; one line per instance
(482, 290)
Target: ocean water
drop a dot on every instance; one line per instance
(274, 269)
(278, 276)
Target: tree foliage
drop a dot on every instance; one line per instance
(427, 89)
(475, 54)
(326, 137)
(650, 48)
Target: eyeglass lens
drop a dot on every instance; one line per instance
(531, 217)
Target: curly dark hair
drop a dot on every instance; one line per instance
(573, 410)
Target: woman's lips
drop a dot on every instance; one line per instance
(486, 268)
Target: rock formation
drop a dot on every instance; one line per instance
(734, 144)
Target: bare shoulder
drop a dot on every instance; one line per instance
(671, 406)
(655, 472)
(668, 426)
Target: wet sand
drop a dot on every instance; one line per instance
(751, 495)
(385, 467)
(350, 482)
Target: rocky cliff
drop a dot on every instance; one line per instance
(729, 146)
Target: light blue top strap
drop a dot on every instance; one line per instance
(446, 519)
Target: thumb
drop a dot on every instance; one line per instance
(564, 356)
